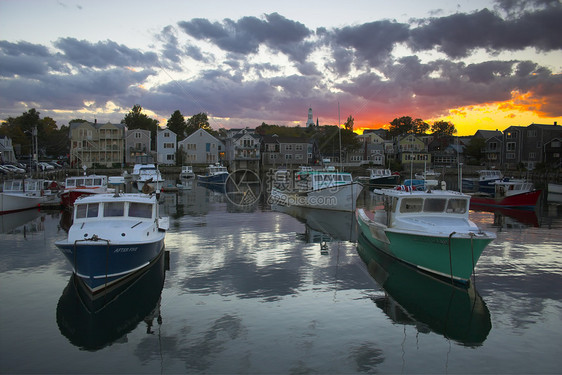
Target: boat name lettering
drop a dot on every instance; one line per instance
(125, 249)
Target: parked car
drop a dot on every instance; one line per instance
(13, 168)
(45, 166)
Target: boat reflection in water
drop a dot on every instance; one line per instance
(431, 304)
(323, 225)
(21, 221)
(510, 218)
(93, 322)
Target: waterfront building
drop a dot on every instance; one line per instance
(137, 144)
(242, 149)
(99, 144)
(7, 154)
(201, 148)
(166, 147)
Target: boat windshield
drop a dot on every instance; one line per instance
(87, 210)
(112, 209)
(143, 210)
(434, 205)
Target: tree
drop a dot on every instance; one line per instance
(419, 126)
(52, 141)
(402, 125)
(135, 119)
(198, 121)
(441, 128)
(177, 124)
(349, 123)
(473, 150)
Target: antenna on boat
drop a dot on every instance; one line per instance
(339, 131)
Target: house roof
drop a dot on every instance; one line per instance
(488, 133)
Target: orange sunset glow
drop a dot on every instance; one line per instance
(521, 110)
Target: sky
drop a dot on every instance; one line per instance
(478, 64)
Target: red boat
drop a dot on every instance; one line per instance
(82, 185)
(509, 194)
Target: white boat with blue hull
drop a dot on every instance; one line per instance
(112, 237)
(215, 174)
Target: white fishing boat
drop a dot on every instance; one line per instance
(147, 177)
(429, 230)
(113, 236)
(429, 174)
(19, 195)
(186, 173)
(318, 188)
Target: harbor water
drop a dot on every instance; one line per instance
(266, 290)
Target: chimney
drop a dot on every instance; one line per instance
(555, 123)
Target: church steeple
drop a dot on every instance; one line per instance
(310, 121)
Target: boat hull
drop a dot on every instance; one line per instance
(388, 181)
(449, 257)
(100, 264)
(69, 197)
(215, 179)
(338, 198)
(527, 200)
(19, 202)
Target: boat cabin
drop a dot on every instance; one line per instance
(489, 175)
(216, 169)
(85, 182)
(306, 180)
(114, 208)
(401, 204)
(23, 186)
(512, 187)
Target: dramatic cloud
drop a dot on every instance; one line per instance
(271, 69)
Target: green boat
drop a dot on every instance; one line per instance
(427, 229)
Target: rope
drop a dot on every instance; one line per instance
(450, 257)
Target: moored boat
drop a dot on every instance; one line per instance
(484, 182)
(509, 194)
(186, 173)
(215, 174)
(147, 177)
(430, 230)
(380, 177)
(77, 186)
(19, 195)
(113, 236)
(318, 188)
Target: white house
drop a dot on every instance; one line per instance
(201, 148)
(7, 154)
(166, 147)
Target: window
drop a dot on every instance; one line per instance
(434, 205)
(140, 210)
(532, 155)
(112, 209)
(298, 156)
(288, 147)
(510, 146)
(531, 133)
(166, 135)
(411, 205)
(510, 155)
(298, 148)
(492, 146)
(87, 210)
(457, 206)
(555, 144)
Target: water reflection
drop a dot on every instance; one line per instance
(415, 298)
(91, 323)
(323, 225)
(23, 221)
(510, 218)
